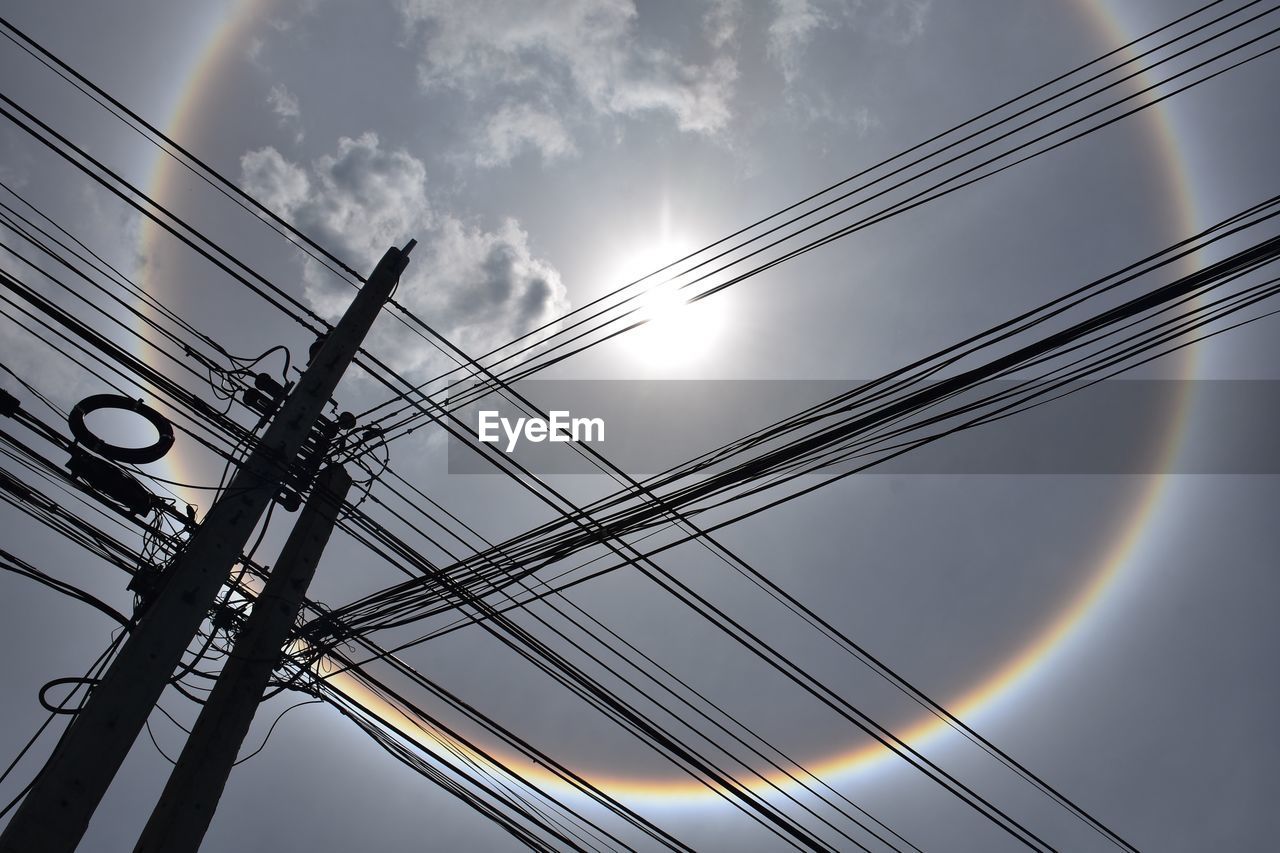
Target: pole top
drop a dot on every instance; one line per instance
(408, 247)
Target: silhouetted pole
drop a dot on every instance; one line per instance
(190, 798)
(56, 811)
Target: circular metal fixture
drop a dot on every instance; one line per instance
(132, 455)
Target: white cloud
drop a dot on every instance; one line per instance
(571, 55)
(471, 45)
(363, 198)
(516, 127)
(796, 22)
(253, 50)
(480, 288)
(720, 22)
(285, 105)
(697, 96)
(276, 182)
(485, 287)
(791, 30)
(283, 102)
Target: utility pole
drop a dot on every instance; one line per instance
(190, 798)
(56, 811)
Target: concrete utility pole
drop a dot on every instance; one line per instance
(186, 807)
(56, 811)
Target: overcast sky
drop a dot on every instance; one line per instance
(543, 154)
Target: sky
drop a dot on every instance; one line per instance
(1114, 632)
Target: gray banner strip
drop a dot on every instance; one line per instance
(1113, 427)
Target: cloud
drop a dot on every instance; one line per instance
(360, 199)
(285, 105)
(697, 96)
(516, 127)
(720, 22)
(480, 288)
(253, 50)
(275, 181)
(796, 22)
(791, 30)
(486, 287)
(579, 57)
(283, 102)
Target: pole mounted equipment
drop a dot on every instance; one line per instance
(55, 812)
(130, 455)
(190, 797)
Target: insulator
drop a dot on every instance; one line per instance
(259, 402)
(325, 427)
(314, 446)
(312, 454)
(268, 386)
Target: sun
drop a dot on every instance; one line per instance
(677, 334)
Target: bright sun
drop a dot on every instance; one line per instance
(677, 334)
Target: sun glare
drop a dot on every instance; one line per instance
(677, 334)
